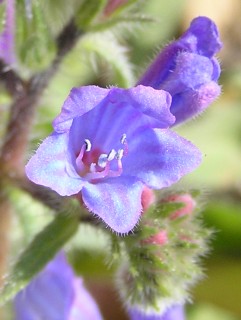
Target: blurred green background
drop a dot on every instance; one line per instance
(217, 133)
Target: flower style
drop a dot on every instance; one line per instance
(107, 145)
(7, 53)
(187, 69)
(174, 313)
(56, 294)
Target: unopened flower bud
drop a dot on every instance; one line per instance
(113, 5)
(188, 70)
(147, 198)
(56, 293)
(175, 312)
(188, 202)
(160, 238)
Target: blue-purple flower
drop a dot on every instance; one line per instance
(7, 42)
(175, 312)
(56, 294)
(107, 145)
(187, 69)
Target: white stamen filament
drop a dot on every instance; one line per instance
(101, 168)
(119, 154)
(78, 161)
(98, 174)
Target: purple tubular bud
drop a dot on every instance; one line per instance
(185, 67)
(56, 293)
(174, 313)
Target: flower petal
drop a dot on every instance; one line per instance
(56, 294)
(186, 63)
(79, 101)
(84, 306)
(50, 166)
(150, 102)
(176, 312)
(115, 200)
(53, 284)
(191, 71)
(202, 37)
(216, 69)
(160, 157)
(120, 112)
(193, 102)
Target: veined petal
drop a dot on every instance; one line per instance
(119, 113)
(160, 157)
(51, 167)
(79, 101)
(153, 103)
(115, 200)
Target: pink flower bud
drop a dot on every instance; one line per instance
(188, 202)
(113, 5)
(147, 198)
(160, 238)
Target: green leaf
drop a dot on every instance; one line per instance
(35, 44)
(58, 13)
(103, 47)
(2, 16)
(122, 6)
(41, 250)
(88, 11)
(126, 20)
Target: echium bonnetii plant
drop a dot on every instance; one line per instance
(111, 161)
(109, 145)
